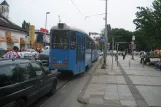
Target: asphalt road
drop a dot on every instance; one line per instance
(67, 93)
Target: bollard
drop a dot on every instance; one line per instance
(129, 63)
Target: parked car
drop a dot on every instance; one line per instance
(29, 51)
(24, 81)
(47, 47)
(2, 52)
(44, 57)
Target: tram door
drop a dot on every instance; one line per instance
(83, 53)
(82, 60)
(78, 53)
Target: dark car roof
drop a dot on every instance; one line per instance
(10, 61)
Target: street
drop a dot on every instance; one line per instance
(68, 90)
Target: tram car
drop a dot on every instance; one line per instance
(71, 49)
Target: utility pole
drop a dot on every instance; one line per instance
(105, 37)
(46, 25)
(132, 47)
(112, 49)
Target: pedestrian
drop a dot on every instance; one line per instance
(12, 54)
(158, 65)
(142, 57)
(123, 54)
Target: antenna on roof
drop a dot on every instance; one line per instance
(59, 19)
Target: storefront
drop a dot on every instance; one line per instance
(11, 40)
(24, 43)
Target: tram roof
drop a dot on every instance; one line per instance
(66, 27)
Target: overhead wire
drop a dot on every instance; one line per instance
(77, 8)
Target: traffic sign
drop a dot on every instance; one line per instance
(102, 40)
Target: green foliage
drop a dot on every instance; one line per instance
(25, 25)
(148, 23)
(120, 35)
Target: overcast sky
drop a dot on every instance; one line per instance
(120, 13)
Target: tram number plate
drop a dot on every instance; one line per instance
(59, 62)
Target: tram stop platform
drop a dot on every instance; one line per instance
(126, 84)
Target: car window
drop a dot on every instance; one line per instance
(37, 68)
(8, 75)
(45, 52)
(25, 72)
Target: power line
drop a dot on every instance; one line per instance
(77, 8)
(95, 15)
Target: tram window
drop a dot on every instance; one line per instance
(60, 40)
(88, 43)
(73, 40)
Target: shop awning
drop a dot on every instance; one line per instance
(12, 39)
(2, 39)
(24, 41)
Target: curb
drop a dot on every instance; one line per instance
(80, 98)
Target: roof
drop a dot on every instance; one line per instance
(4, 3)
(4, 22)
(16, 61)
(66, 27)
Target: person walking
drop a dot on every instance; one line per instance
(12, 54)
(143, 54)
(123, 54)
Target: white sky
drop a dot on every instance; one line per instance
(120, 13)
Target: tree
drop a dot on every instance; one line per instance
(25, 25)
(120, 35)
(148, 24)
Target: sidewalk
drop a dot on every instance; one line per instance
(123, 85)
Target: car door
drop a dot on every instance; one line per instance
(9, 87)
(46, 80)
(29, 82)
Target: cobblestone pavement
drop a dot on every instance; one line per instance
(124, 84)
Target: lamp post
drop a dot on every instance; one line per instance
(46, 25)
(105, 37)
(132, 47)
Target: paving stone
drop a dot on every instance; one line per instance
(155, 80)
(152, 95)
(141, 80)
(125, 96)
(111, 88)
(99, 79)
(111, 79)
(111, 95)
(120, 79)
(112, 102)
(95, 101)
(94, 89)
(123, 88)
(128, 102)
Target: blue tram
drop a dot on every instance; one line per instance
(71, 49)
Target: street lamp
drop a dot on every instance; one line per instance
(132, 47)
(46, 25)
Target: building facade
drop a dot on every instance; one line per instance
(10, 33)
